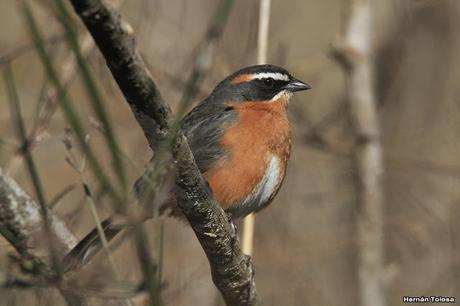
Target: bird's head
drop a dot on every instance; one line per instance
(261, 83)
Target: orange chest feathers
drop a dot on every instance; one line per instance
(258, 144)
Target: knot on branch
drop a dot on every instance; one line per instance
(346, 55)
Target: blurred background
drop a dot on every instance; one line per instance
(305, 247)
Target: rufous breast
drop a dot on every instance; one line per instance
(258, 144)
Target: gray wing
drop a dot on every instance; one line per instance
(204, 127)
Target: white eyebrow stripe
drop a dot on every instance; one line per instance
(273, 75)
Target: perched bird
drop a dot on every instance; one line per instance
(241, 140)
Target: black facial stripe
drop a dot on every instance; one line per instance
(257, 90)
(248, 84)
(279, 84)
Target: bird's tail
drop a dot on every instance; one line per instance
(89, 246)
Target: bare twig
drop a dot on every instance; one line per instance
(18, 123)
(57, 198)
(15, 52)
(65, 102)
(355, 55)
(231, 270)
(50, 97)
(80, 168)
(67, 73)
(93, 91)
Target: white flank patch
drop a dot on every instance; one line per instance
(273, 75)
(263, 191)
(270, 180)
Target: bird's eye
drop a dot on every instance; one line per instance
(269, 82)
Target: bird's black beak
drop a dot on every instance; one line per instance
(296, 85)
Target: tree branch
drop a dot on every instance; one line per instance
(21, 221)
(231, 270)
(356, 57)
(21, 216)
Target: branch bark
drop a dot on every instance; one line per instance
(231, 270)
(21, 216)
(21, 221)
(356, 56)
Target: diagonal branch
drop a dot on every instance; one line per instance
(113, 37)
(21, 221)
(231, 269)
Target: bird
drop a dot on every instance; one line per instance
(240, 138)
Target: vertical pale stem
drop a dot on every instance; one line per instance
(262, 45)
(262, 42)
(367, 154)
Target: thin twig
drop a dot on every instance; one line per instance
(93, 92)
(57, 198)
(49, 99)
(148, 265)
(13, 53)
(18, 123)
(80, 168)
(67, 106)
